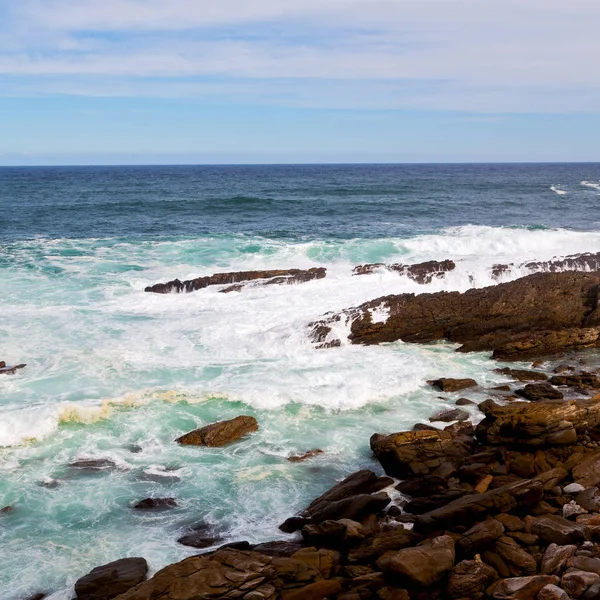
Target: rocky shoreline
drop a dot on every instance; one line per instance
(506, 507)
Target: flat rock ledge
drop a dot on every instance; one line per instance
(537, 315)
(238, 279)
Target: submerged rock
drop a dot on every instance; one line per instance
(92, 465)
(221, 433)
(111, 580)
(276, 276)
(305, 456)
(155, 504)
(422, 273)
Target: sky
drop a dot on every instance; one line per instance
(283, 81)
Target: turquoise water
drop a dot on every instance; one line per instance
(110, 367)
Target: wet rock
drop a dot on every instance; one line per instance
(533, 316)
(417, 453)
(522, 588)
(556, 557)
(423, 565)
(587, 472)
(557, 530)
(305, 456)
(92, 465)
(220, 433)
(6, 510)
(155, 504)
(281, 276)
(576, 381)
(552, 592)
(522, 374)
(198, 539)
(585, 563)
(111, 580)
(575, 582)
(422, 273)
(469, 579)
(464, 402)
(447, 416)
(39, 596)
(452, 385)
(539, 391)
(589, 499)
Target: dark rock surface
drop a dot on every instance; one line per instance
(111, 580)
(421, 273)
(276, 276)
(452, 385)
(155, 504)
(221, 433)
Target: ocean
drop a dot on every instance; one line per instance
(116, 373)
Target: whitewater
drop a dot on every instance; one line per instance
(116, 373)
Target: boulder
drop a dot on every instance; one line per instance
(519, 562)
(111, 580)
(452, 385)
(539, 391)
(155, 504)
(557, 530)
(281, 276)
(422, 565)
(522, 374)
(220, 433)
(422, 273)
(556, 558)
(417, 453)
(575, 582)
(587, 472)
(469, 579)
(92, 465)
(355, 507)
(522, 588)
(552, 592)
(480, 536)
(454, 414)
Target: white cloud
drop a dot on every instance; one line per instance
(509, 55)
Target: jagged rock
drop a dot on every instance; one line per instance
(353, 508)
(111, 580)
(221, 433)
(155, 504)
(544, 423)
(469, 579)
(423, 565)
(519, 562)
(92, 465)
(587, 472)
(552, 592)
(532, 316)
(575, 582)
(285, 276)
(557, 530)
(455, 414)
(480, 536)
(577, 381)
(522, 588)
(416, 453)
(539, 391)
(585, 563)
(386, 541)
(522, 374)
(421, 273)
(305, 456)
(198, 539)
(571, 509)
(452, 385)
(592, 593)
(556, 557)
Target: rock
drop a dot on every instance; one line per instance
(510, 522)
(285, 276)
(421, 273)
(571, 509)
(589, 499)
(452, 385)
(575, 582)
(592, 593)
(10, 370)
(518, 561)
(248, 575)
(522, 374)
(544, 423)
(354, 508)
(522, 588)
(388, 593)
(198, 539)
(576, 381)
(552, 592)
(319, 590)
(220, 433)
(386, 541)
(464, 402)
(278, 548)
(328, 534)
(39, 596)
(587, 472)
(155, 504)
(6, 510)
(557, 530)
(447, 416)
(534, 316)
(92, 465)
(573, 488)
(305, 456)
(416, 453)
(585, 563)
(556, 557)
(480, 536)
(111, 580)
(423, 565)
(469, 579)
(539, 391)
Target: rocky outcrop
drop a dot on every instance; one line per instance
(305, 456)
(533, 316)
(446, 384)
(111, 580)
(422, 273)
(270, 277)
(221, 433)
(576, 262)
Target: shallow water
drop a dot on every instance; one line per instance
(109, 366)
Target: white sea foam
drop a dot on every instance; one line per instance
(591, 184)
(557, 190)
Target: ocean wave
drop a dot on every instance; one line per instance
(558, 191)
(591, 184)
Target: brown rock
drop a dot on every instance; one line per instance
(480, 536)
(111, 580)
(389, 593)
(518, 561)
(552, 592)
(469, 579)
(285, 276)
(587, 472)
(452, 385)
(416, 453)
(155, 504)
(386, 541)
(575, 582)
(421, 273)
(522, 374)
(522, 588)
(314, 591)
(539, 391)
(455, 414)
(557, 530)
(355, 507)
(305, 456)
(221, 433)
(510, 522)
(423, 565)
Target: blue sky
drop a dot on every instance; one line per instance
(178, 81)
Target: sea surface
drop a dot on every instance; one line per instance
(116, 373)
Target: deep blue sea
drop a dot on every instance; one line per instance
(111, 368)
